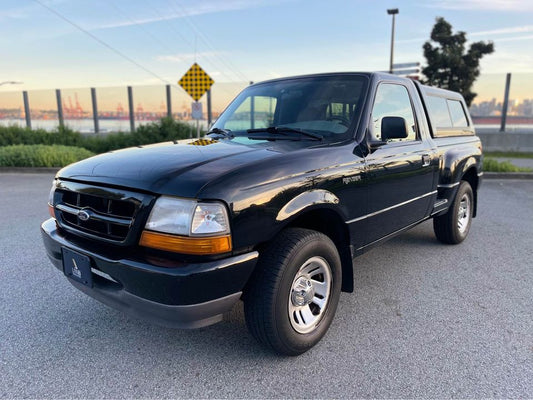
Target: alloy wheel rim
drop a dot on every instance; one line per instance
(310, 294)
(463, 215)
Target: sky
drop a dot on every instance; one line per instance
(50, 44)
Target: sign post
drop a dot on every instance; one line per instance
(196, 83)
(409, 70)
(197, 114)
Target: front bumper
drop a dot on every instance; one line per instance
(187, 295)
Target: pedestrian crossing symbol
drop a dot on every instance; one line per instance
(196, 82)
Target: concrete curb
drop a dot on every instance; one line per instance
(508, 175)
(28, 170)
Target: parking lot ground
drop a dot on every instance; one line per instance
(426, 320)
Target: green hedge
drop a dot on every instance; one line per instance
(40, 155)
(13, 135)
(491, 165)
(161, 131)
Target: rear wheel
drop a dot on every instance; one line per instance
(294, 292)
(453, 227)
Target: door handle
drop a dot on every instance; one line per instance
(426, 160)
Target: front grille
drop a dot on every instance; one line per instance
(97, 212)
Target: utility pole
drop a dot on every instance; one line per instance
(505, 102)
(393, 12)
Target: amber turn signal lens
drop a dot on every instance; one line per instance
(186, 245)
(51, 211)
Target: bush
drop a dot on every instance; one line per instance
(12, 135)
(161, 131)
(40, 155)
(164, 130)
(491, 165)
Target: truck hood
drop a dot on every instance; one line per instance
(176, 168)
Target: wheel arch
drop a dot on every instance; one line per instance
(329, 222)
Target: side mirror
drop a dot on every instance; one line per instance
(393, 128)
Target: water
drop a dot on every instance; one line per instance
(87, 125)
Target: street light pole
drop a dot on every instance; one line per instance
(393, 12)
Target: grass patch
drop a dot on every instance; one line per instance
(40, 155)
(507, 154)
(491, 165)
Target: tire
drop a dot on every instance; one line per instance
(294, 291)
(453, 227)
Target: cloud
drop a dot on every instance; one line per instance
(199, 8)
(183, 57)
(503, 31)
(515, 38)
(486, 5)
(500, 31)
(503, 61)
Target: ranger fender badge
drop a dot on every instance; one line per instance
(351, 179)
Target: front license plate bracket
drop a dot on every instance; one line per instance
(77, 267)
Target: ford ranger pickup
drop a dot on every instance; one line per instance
(296, 178)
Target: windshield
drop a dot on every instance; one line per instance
(326, 106)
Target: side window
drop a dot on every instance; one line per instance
(393, 101)
(448, 117)
(254, 112)
(458, 114)
(438, 110)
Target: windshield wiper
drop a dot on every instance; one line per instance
(217, 133)
(283, 130)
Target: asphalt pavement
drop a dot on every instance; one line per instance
(426, 320)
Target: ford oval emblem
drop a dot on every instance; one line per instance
(83, 215)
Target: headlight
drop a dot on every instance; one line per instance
(209, 219)
(203, 228)
(51, 200)
(171, 215)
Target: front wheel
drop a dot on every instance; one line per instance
(453, 227)
(293, 295)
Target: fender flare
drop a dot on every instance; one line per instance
(305, 200)
(314, 200)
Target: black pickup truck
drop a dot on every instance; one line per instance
(296, 178)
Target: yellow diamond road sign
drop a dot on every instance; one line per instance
(196, 82)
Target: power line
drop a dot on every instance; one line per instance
(108, 46)
(139, 25)
(100, 41)
(206, 41)
(186, 41)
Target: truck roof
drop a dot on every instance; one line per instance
(425, 89)
(438, 92)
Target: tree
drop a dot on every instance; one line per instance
(449, 67)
